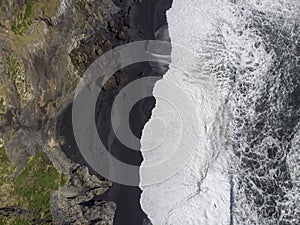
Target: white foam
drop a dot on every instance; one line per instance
(214, 31)
(200, 192)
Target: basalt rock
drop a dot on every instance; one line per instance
(74, 203)
(121, 35)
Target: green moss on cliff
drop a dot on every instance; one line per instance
(15, 221)
(2, 105)
(23, 18)
(14, 67)
(28, 13)
(35, 184)
(16, 74)
(6, 169)
(30, 189)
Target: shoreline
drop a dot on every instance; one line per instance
(127, 197)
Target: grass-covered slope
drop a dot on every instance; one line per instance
(29, 191)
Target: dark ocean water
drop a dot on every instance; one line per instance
(265, 124)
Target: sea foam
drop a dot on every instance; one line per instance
(227, 79)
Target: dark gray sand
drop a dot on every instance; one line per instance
(145, 19)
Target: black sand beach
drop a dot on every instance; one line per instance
(145, 18)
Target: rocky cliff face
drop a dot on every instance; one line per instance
(41, 60)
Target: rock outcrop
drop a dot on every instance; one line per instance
(74, 203)
(38, 78)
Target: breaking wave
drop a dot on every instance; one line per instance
(245, 86)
